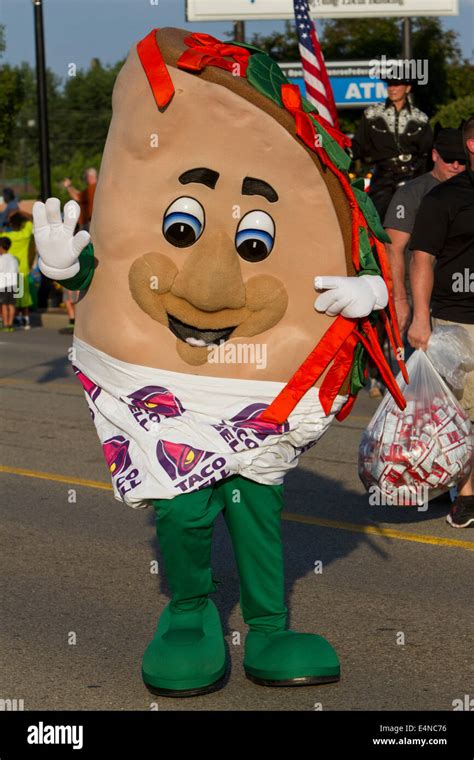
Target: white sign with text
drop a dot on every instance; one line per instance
(254, 10)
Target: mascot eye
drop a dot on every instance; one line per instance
(255, 236)
(183, 222)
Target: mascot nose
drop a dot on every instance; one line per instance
(211, 278)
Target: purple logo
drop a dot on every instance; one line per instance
(179, 459)
(248, 419)
(152, 403)
(246, 428)
(158, 400)
(92, 390)
(116, 454)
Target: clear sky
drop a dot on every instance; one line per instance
(78, 30)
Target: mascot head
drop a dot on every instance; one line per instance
(212, 217)
(222, 194)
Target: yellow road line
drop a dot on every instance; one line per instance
(73, 481)
(291, 516)
(378, 531)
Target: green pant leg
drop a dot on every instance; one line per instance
(187, 654)
(274, 655)
(184, 527)
(253, 517)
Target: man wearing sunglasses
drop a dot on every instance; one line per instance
(449, 159)
(442, 281)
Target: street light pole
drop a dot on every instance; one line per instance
(42, 98)
(407, 38)
(239, 31)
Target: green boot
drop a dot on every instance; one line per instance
(187, 654)
(274, 655)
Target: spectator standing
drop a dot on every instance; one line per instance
(396, 137)
(443, 256)
(70, 298)
(11, 204)
(85, 197)
(20, 233)
(8, 284)
(449, 159)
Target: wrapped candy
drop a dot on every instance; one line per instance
(405, 454)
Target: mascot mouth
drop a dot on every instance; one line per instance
(175, 306)
(194, 336)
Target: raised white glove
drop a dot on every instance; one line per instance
(351, 296)
(57, 247)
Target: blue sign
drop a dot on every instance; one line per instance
(351, 83)
(358, 91)
(351, 92)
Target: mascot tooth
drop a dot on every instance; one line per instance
(206, 362)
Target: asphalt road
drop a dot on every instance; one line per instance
(79, 603)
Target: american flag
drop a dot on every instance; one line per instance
(318, 86)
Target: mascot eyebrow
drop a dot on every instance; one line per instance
(252, 186)
(209, 177)
(202, 175)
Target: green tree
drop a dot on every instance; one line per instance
(11, 95)
(23, 156)
(461, 79)
(282, 46)
(85, 110)
(351, 39)
(79, 114)
(10, 102)
(441, 49)
(453, 113)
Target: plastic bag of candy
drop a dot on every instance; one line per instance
(451, 351)
(406, 454)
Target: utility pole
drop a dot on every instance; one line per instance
(407, 39)
(239, 31)
(42, 98)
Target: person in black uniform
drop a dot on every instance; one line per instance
(397, 138)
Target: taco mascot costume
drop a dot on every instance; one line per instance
(207, 366)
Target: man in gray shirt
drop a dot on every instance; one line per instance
(449, 159)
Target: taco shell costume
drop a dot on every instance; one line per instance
(206, 366)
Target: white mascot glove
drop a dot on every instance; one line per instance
(351, 296)
(57, 247)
